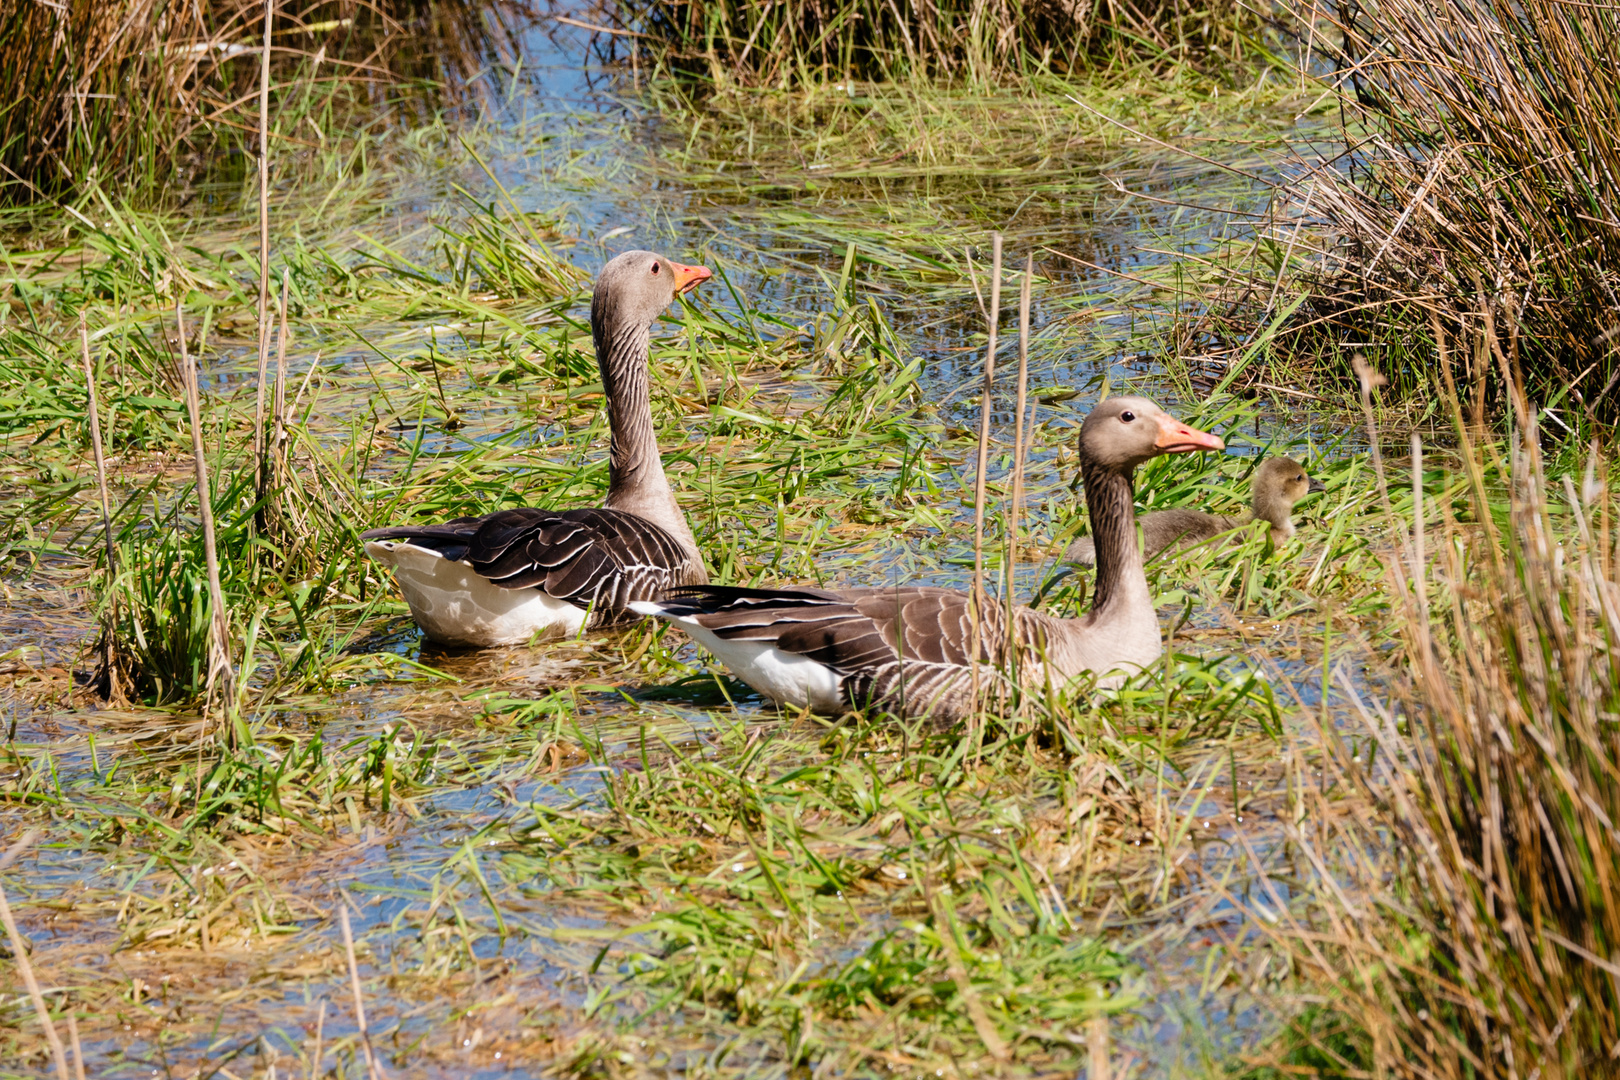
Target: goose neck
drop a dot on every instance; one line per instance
(636, 481)
(1122, 628)
(1111, 503)
(621, 354)
(1271, 507)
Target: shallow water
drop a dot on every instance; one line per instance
(574, 139)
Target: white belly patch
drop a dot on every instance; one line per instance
(784, 677)
(456, 606)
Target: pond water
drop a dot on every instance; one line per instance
(571, 139)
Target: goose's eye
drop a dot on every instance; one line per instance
(1127, 416)
(1300, 478)
(655, 268)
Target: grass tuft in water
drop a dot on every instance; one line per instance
(801, 42)
(1481, 944)
(1471, 189)
(144, 99)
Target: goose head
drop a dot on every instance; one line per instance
(1279, 483)
(1124, 432)
(634, 288)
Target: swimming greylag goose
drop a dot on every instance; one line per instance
(910, 649)
(503, 577)
(1278, 484)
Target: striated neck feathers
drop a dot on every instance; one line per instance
(1111, 502)
(636, 481)
(1122, 627)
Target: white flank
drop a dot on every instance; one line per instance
(456, 606)
(786, 678)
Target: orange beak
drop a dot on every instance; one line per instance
(688, 278)
(1177, 438)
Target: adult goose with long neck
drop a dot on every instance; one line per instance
(913, 649)
(1279, 483)
(501, 578)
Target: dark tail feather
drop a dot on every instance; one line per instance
(706, 599)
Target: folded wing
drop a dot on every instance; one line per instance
(596, 559)
(907, 649)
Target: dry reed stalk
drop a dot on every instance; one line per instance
(95, 443)
(75, 1045)
(275, 457)
(373, 1066)
(110, 668)
(1024, 300)
(1097, 1049)
(314, 366)
(260, 441)
(220, 667)
(320, 1028)
(992, 318)
(1419, 558)
(26, 969)
(980, 603)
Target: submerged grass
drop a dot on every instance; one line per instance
(831, 896)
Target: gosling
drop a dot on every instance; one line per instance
(1279, 483)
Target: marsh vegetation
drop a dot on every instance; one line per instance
(1358, 821)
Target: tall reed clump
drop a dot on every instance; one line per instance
(979, 41)
(1483, 147)
(1493, 950)
(128, 92)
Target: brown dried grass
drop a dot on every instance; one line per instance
(1475, 934)
(1483, 151)
(973, 41)
(129, 92)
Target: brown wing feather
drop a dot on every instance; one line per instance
(906, 649)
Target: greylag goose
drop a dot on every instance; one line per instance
(501, 578)
(1278, 484)
(910, 649)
